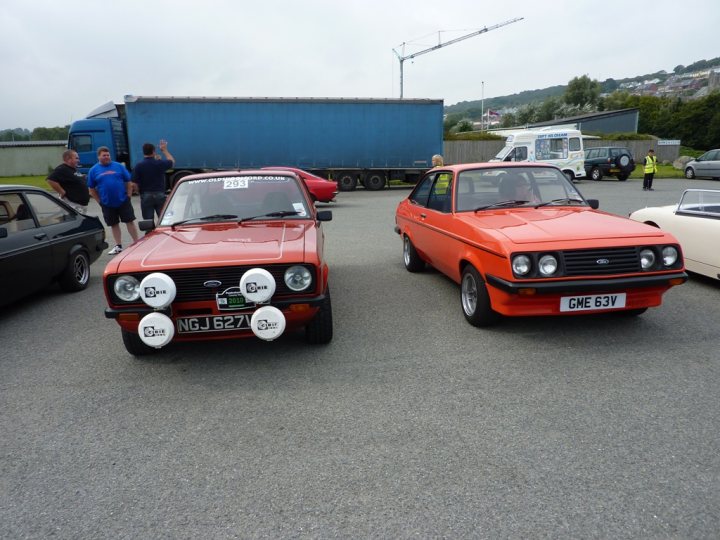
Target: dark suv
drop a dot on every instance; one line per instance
(608, 161)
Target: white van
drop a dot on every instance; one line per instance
(560, 147)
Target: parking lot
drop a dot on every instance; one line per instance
(410, 423)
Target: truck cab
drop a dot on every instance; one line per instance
(86, 136)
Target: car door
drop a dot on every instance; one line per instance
(704, 164)
(25, 252)
(62, 227)
(434, 221)
(714, 164)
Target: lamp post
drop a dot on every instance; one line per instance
(482, 107)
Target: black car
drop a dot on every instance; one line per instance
(43, 240)
(608, 161)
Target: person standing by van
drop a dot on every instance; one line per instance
(437, 161)
(149, 176)
(649, 170)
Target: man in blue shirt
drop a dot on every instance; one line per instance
(149, 175)
(109, 184)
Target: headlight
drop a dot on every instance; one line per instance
(298, 278)
(127, 288)
(547, 265)
(669, 255)
(647, 259)
(521, 265)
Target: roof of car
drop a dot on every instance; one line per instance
(495, 165)
(16, 187)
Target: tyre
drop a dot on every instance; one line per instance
(320, 329)
(134, 345)
(689, 173)
(374, 181)
(346, 182)
(177, 176)
(76, 275)
(569, 175)
(475, 300)
(413, 262)
(622, 177)
(596, 174)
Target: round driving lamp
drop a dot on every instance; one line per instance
(647, 259)
(547, 265)
(127, 288)
(521, 265)
(298, 278)
(669, 255)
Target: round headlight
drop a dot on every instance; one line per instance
(298, 278)
(521, 265)
(127, 288)
(670, 255)
(647, 259)
(547, 265)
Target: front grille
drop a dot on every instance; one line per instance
(588, 262)
(190, 288)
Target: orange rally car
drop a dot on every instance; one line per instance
(235, 254)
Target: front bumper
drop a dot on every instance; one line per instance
(587, 285)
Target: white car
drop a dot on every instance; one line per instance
(695, 222)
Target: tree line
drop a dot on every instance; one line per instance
(696, 122)
(37, 134)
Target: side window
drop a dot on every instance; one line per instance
(422, 190)
(47, 211)
(440, 194)
(15, 214)
(714, 156)
(521, 153)
(575, 145)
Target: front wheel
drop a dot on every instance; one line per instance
(413, 262)
(76, 275)
(320, 329)
(633, 312)
(475, 299)
(596, 174)
(569, 175)
(689, 173)
(134, 345)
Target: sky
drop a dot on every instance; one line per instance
(61, 60)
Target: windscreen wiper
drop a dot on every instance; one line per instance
(566, 200)
(500, 204)
(283, 213)
(214, 217)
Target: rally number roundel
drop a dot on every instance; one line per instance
(268, 323)
(257, 285)
(156, 330)
(157, 290)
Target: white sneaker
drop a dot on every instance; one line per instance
(114, 251)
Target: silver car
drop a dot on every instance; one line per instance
(706, 166)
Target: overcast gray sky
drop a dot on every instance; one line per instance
(61, 59)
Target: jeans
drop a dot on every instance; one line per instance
(151, 201)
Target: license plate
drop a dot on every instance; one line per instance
(592, 302)
(217, 323)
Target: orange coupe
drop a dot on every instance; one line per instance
(521, 240)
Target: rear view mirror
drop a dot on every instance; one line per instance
(146, 225)
(594, 203)
(324, 215)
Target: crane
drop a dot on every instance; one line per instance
(440, 45)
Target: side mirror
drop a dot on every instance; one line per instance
(594, 203)
(324, 215)
(146, 224)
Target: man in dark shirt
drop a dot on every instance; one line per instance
(70, 184)
(149, 176)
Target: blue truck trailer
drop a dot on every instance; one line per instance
(352, 141)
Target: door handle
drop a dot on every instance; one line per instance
(40, 236)
(423, 216)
